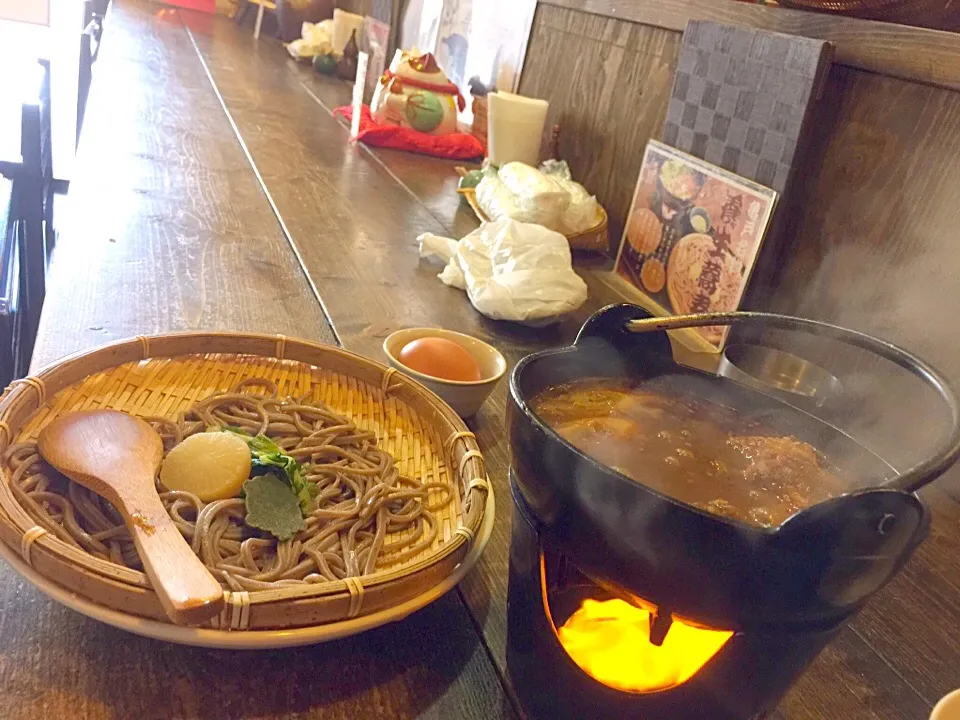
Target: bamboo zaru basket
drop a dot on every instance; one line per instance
(162, 375)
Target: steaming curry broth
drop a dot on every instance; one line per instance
(696, 451)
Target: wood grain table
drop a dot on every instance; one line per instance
(215, 191)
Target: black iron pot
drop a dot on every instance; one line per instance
(820, 565)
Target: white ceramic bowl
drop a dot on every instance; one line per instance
(948, 708)
(464, 397)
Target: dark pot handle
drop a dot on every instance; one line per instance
(609, 326)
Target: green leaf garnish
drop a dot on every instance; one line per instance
(272, 507)
(268, 457)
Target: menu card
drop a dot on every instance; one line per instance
(693, 235)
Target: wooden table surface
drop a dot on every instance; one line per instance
(213, 190)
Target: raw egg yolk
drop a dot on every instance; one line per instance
(440, 358)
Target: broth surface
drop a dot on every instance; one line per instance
(691, 449)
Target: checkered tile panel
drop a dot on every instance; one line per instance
(740, 96)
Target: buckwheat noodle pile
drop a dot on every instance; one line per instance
(362, 498)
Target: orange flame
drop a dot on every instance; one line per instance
(610, 641)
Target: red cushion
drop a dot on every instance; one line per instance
(207, 6)
(456, 146)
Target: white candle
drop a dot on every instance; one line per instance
(515, 127)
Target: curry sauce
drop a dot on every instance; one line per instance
(691, 449)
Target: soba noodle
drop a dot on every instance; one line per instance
(366, 514)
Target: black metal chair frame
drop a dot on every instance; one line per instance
(29, 230)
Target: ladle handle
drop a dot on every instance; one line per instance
(912, 479)
(188, 592)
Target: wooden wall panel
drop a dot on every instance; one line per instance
(874, 209)
(608, 82)
(911, 53)
(876, 244)
(383, 10)
(359, 7)
(870, 237)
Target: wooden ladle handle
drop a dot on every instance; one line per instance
(187, 590)
(117, 456)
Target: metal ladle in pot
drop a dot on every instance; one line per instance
(768, 369)
(911, 479)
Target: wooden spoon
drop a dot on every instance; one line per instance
(117, 456)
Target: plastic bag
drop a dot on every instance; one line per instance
(511, 271)
(315, 39)
(538, 199)
(583, 212)
(495, 198)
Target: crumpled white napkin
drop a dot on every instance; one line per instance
(511, 271)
